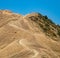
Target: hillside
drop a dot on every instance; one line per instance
(29, 36)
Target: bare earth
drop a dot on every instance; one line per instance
(27, 36)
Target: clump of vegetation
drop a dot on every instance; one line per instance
(58, 32)
(45, 17)
(58, 25)
(46, 24)
(33, 18)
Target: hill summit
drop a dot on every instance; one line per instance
(29, 36)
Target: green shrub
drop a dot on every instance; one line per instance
(59, 32)
(45, 17)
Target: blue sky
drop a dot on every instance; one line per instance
(51, 8)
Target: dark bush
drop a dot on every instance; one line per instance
(59, 32)
(45, 17)
(33, 18)
(58, 25)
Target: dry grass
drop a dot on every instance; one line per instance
(26, 38)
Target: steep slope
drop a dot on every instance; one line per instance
(30, 36)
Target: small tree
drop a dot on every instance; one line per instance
(45, 17)
(59, 32)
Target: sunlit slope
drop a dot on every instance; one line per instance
(29, 36)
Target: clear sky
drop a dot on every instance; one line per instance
(51, 8)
